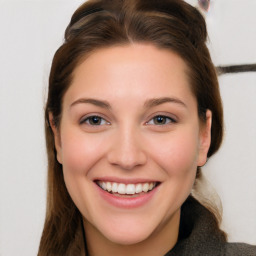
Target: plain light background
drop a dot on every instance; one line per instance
(30, 32)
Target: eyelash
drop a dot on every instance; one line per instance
(167, 120)
(96, 120)
(90, 119)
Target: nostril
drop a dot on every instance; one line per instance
(127, 161)
(127, 149)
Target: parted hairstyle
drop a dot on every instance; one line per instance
(96, 24)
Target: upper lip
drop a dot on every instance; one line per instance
(125, 180)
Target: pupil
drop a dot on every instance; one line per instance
(160, 120)
(95, 120)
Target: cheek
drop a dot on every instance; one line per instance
(177, 153)
(80, 152)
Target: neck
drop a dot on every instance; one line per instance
(158, 243)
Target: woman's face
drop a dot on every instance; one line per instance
(130, 141)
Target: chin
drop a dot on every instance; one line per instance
(129, 238)
(126, 234)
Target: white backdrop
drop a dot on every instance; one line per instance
(30, 32)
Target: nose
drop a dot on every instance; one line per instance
(127, 150)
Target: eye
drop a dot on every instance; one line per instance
(94, 121)
(161, 120)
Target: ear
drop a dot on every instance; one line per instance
(57, 140)
(205, 139)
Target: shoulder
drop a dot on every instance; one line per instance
(237, 249)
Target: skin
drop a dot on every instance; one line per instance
(129, 143)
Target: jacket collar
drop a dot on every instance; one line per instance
(199, 232)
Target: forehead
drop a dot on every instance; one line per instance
(136, 68)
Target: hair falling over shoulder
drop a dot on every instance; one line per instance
(169, 24)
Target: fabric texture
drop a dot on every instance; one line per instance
(199, 235)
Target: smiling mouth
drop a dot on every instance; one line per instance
(121, 189)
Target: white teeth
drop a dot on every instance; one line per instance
(129, 189)
(114, 187)
(109, 187)
(121, 189)
(145, 187)
(104, 185)
(138, 188)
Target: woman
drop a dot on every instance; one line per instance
(133, 111)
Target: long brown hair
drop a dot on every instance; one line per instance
(169, 24)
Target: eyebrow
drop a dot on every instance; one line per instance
(148, 104)
(99, 103)
(158, 101)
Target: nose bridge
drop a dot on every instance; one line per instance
(127, 149)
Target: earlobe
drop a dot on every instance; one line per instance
(57, 140)
(205, 139)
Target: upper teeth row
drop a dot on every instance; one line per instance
(129, 189)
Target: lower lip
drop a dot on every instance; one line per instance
(126, 202)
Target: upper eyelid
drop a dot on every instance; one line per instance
(164, 114)
(84, 118)
(149, 118)
(172, 120)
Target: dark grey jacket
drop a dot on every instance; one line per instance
(200, 236)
